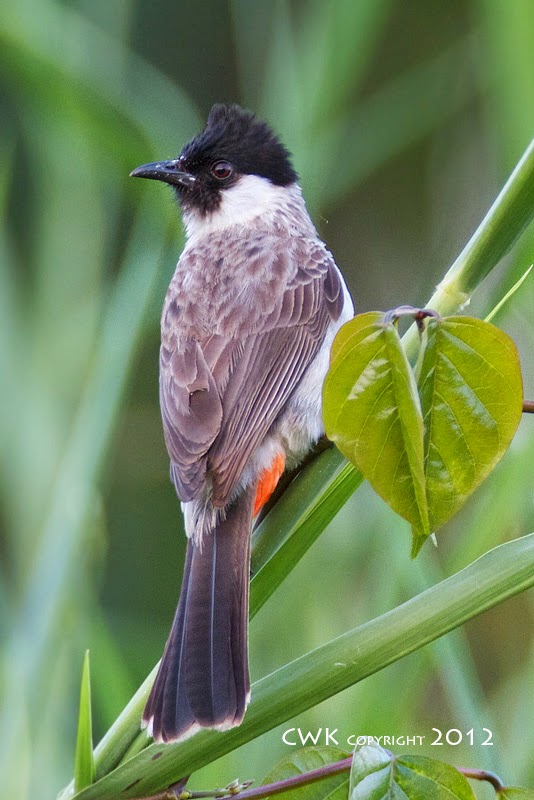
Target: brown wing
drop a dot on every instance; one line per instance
(220, 394)
(192, 413)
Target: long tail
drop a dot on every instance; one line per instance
(203, 678)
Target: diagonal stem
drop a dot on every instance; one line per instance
(176, 792)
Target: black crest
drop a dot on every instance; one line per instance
(236, 135)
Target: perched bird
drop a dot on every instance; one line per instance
(246, 330)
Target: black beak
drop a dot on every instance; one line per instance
(166, 171)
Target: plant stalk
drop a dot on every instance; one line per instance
(502, 573)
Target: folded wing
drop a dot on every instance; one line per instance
(221, 393)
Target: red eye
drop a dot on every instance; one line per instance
(221, 170)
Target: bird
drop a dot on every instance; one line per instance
(246, 329)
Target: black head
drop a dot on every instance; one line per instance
(233, 143)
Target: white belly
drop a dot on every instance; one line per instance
(301, 425)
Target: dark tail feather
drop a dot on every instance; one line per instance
(203, 678)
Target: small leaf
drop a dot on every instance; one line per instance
(420, 776)
(334, 787)
(84, 766)
(379, 775)
(372, 413)
(515, 793)
(471, 396)
(370, 775)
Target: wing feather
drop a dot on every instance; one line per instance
(221, 390)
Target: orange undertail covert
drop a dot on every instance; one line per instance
(268, 481)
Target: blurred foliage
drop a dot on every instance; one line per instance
(404, 119)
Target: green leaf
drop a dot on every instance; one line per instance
(377, 774)
(372, 413)
(333, 787)
(370, 773)
(515, 793)
(84, 765)
(471, 395)
(468, 403)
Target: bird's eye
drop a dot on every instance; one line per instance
(221, 170)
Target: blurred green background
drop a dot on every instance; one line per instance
(405, 118)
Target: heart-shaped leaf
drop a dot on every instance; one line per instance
(372, 413)
(471, 394)
(377, 774)
(334, 787)
(424, 448)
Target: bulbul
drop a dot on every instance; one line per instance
(247, 325)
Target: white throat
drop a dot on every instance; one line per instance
(251, 197)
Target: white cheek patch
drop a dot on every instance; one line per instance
(250, 197)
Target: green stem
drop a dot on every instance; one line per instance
(504, 223)
(502, 573)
